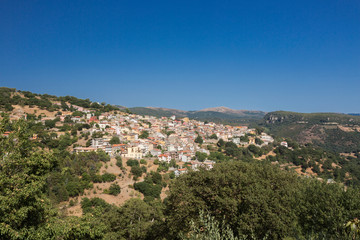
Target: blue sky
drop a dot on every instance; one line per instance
(262, 55)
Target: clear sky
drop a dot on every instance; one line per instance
(298, 55)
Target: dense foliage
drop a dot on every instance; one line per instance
(261, 200)
(74, 173)
(25, 210)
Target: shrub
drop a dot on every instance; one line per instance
(148, 189)
(119, 161)
(108, 177)
(137, 171)
(132, 162)
(114, 189)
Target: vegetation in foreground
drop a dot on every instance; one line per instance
(236, 200)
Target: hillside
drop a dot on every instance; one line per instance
(218, 114)
(331, 131)
(12, 99)
(73, 155)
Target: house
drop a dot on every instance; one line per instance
(119, 148)
(266, 138)
(164, 158)
(84, 149)
(155, 152)
(93, 119)
(76, 119)
(185, 157)
(133, 152)
(178, 172)
(97, 142)
(207, 164)
(108, 149)
(236, 140)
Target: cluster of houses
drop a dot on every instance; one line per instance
(167, 139)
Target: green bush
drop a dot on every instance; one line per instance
(114, 189)
(108, 177)
(88, 205)
(137, 171)
(132, 162)
(148, 189)
(119, 161)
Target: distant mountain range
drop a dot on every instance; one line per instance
(216, 114)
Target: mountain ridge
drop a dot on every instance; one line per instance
(215, 114)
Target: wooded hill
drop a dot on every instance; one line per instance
(331, 131)
(10, 97)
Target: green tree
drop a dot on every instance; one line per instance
(221, 143)
(244, 138)
(137, 171)
(258, 141)
(23, 173)
(114, 140)
(135, 220)
(199, 140)
(213, 136)
(249, 198)
(201, 156)
(132, 162)
(144, 134)
(114, 189)
(209, 228)
(119, 161)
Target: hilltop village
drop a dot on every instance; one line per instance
(164, 138)
(168, 140)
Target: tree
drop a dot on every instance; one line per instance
(8, 107)
(144, 134)
(201, 156)
(148, 189)
(258, 141)
(244, 138)
(213, 136)
(199, 140)
(136, 171)
(77, 114)
(221, 143)
(261, 200)
(249, 198)
(135, 220)
(114, 189)
(209, 228)
(114, 140)
(23, 173)
(132, 162)
(119, 161)
(50, 123)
